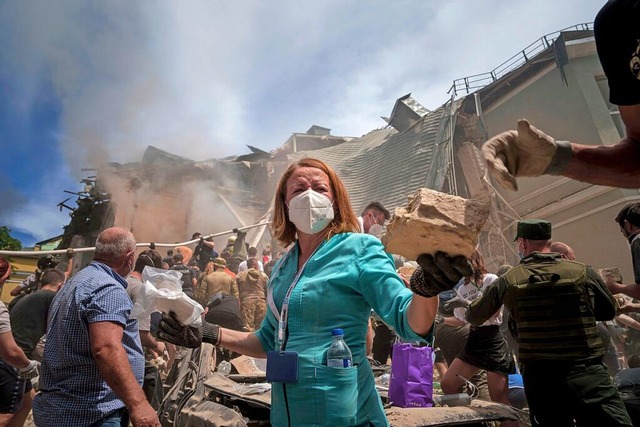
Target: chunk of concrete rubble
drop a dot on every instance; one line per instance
(434, 221)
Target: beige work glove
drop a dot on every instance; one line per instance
(525, 152)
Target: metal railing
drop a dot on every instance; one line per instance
(478, 81)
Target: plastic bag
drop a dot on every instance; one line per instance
(162, 291)
(411, 383)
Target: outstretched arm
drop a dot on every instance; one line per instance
(528, 151)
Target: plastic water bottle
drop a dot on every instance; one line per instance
(338, 355)
(224, 367)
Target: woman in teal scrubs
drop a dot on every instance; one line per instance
(334, 276)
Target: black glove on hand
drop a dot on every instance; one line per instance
(187, 336)
(438, 273)
(455, 302)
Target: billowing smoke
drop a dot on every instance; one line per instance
(166, 203)
(201, 79)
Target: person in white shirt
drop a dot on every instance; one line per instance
(373, 218)
(486, 347)
(252, 252)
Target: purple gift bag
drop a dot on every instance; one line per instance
(411, 383)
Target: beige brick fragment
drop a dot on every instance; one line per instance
(434, 221)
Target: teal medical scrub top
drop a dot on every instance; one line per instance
(346, 277)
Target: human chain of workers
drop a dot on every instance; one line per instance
(333, 276)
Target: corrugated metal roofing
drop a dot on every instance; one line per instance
(385, 165)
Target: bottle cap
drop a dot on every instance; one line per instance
(337, 331)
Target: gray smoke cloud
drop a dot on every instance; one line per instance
(203, 78)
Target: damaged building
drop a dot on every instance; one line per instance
(556, 82)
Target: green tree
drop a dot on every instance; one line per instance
(8, 243)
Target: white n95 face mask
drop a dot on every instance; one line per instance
(310, 211)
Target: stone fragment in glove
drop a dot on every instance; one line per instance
(438, 273)
(455, 302)
(187, 336)
(32, 370)
(525, 152)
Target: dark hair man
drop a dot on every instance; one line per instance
(252, 252)
(381, 337)
(93, 364)
(629, 221)
(29, 315)
(189, 276)
(169, 258)
(204, 252)
(554, 304)
(373, 214)
(530, 152)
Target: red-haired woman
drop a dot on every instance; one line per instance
(330, 278)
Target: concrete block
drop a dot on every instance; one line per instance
(434, 221)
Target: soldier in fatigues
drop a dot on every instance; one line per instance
(252, 286)
(554, 304)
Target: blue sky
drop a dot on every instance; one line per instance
(82, 83)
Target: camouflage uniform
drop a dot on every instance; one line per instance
(252, 286)
(215, 282)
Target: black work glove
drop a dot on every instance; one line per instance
(455, 302)
(438, 273)
(152, 246)
(187, 336)
(201, 240)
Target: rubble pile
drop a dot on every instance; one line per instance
(434, 221)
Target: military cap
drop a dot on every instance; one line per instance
(220, 262)
(533, 229)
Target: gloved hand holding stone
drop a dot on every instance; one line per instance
(525, 152)
(187, 336)
(438, 273)
(455, 302)
(32, 370)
